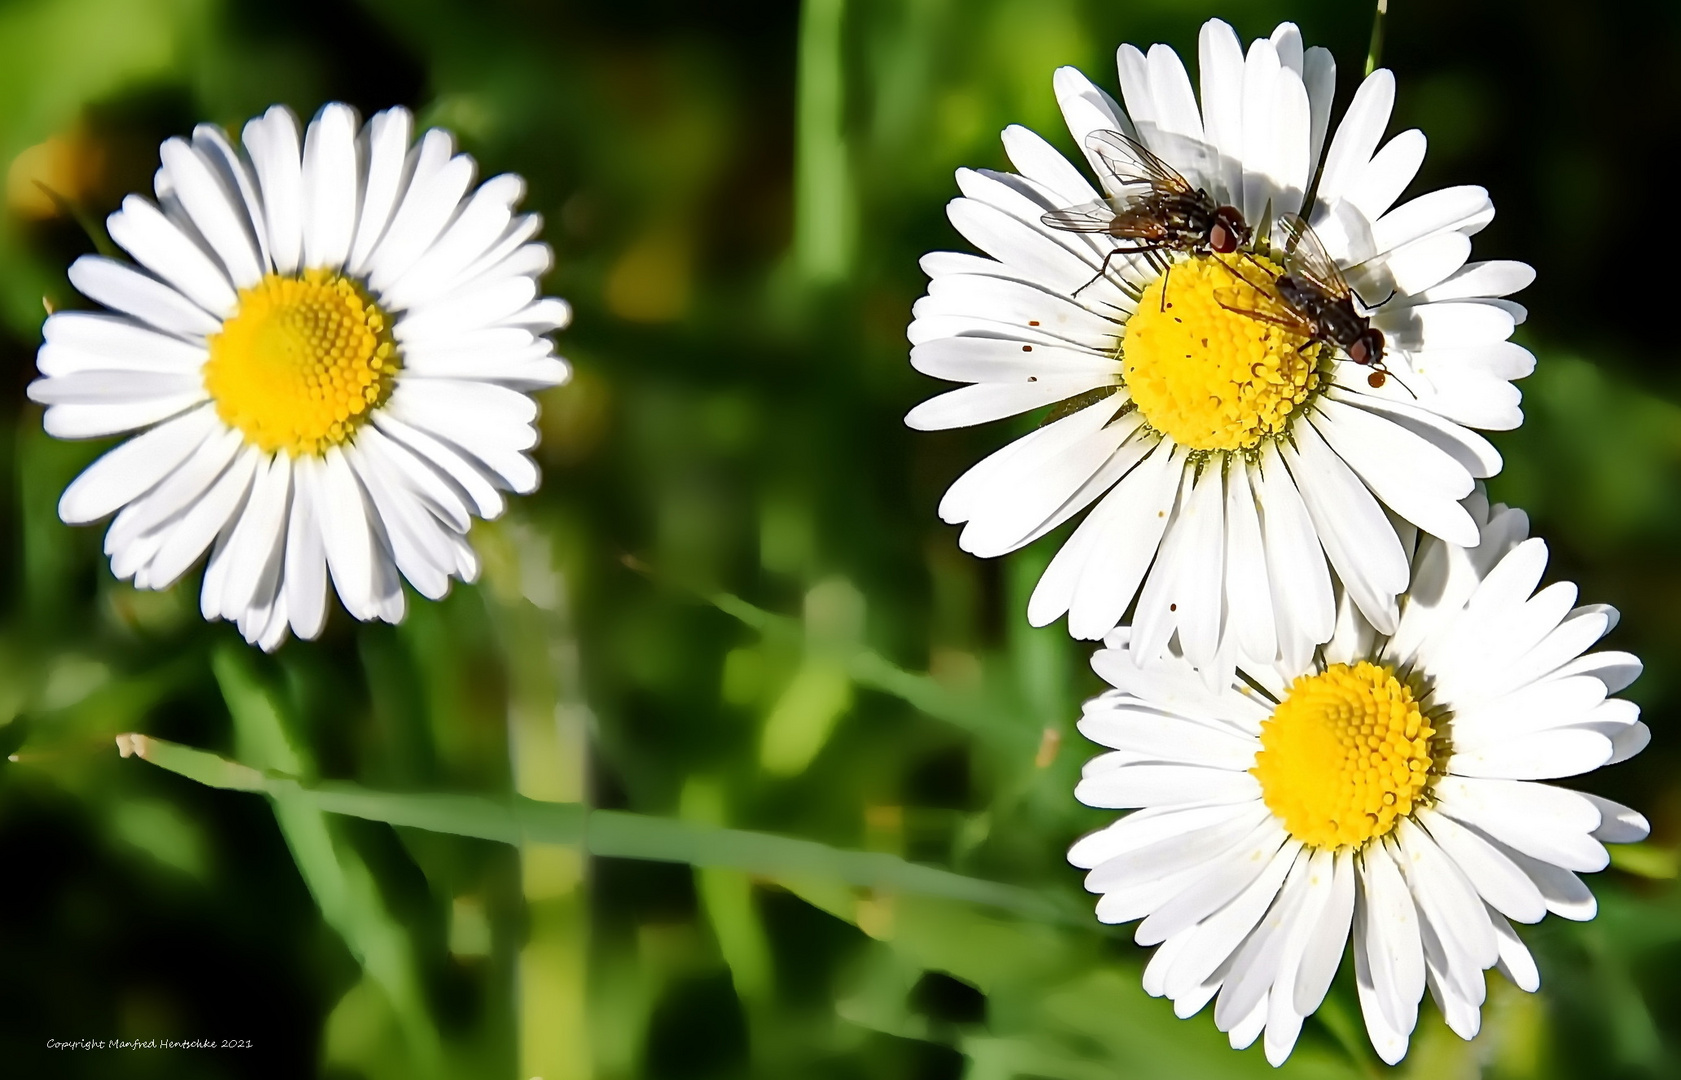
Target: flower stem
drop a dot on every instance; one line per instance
(823, 221)
(1375, 50)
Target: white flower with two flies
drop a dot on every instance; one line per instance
(1230, 467)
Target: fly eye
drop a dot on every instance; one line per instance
(1359, 353)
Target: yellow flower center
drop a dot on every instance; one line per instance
(1344, 755)
(1207, 376)
(302, 362)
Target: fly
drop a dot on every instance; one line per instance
(1156, 208)
(1311, 298)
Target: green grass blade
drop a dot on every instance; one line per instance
(607, 833)
(343, 886)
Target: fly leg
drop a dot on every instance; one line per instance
(1103, 270)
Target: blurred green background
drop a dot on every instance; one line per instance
(731, 606)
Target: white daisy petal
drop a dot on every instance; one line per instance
(108, 388)
(438, 180)
(419, 548)
(1618, 823)
(1211, 941)
(1141, 828)
(277, 158)
(1414, 268)
(80, 341)
(1177, 120)
(1248, 603)
(1392, 943)
(984, 402)
(255, 538)
(543, 316)
(1150, 784)
(1301, 581)
(1039, 161)
(1261, 73)
(1287, 40)
(1220, 69)
(1202, 612)
(483, 306)
(1389, 1041)
(1447, 900)
(1475, 454)
(1324, 949)
(1319, 77)
(1306, 925)
(1256, 963)
(91, 421)
(1562, 890)
(1414, 478)
(1133, 70)
(1035, 256)
(1171, 854)
(1615, 669)
(1265, 856)
(1542, 756)
(1161, 737)
(189, 537)
(217, 212)
(472, 478)
(1086, 109)
(345, 533)
(331, 187)
(1096, 574)
(488, 421)
(984, 359)
(1496, 878)
(1498, 278)
(387, 143)
(129, 470)
(1438, 211)
(1376, 186)
(1359, 541)
(160, 246)
(174, 494)
(1358, 135)
(306, 552)
(125, 289)
(1022, 485)
(1619, 722)
(480, 223)
(435, 492)
(236, 176)
(1052, 320)
(1515, 962)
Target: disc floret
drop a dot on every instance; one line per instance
(1346, 754)
(302, 362)
(1210, 377)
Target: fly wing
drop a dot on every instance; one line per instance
(1093, 217)
(1254, 293)
(1133, 219)
(1305, 257)
(1132, 164)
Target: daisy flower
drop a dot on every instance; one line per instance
(1230, 465)
(327, 348)
(1385, 792)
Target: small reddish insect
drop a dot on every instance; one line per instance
(1156, 208)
